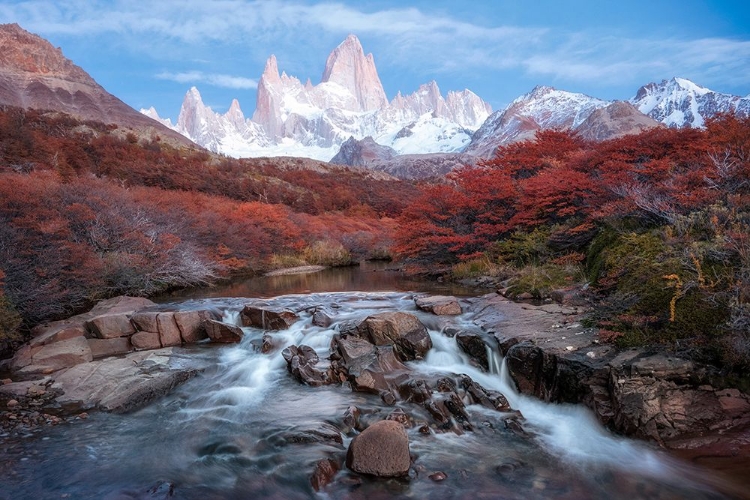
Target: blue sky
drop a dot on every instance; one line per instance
(151, 53)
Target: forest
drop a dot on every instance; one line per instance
(655, 227)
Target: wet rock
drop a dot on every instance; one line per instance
(445, 408)
(109, 326)
(380, 450)
(513, 425)
(525, 362)
(398, 415)
(268, 343)
(102, 348)
(479, 395)
(450, 331)
(473, 345)
(301, 361)
(439, 305)
(12, 403)
(267, 318)
(404, 331)
(415, 391)
(351, 418)
(512, 467)
(322, 318)
(219, 331)
(169, 332)
(323, 474)
(438, 476)
(445, 384)
(367, 367)
(323, 434)
(192, 325)
(142, 341)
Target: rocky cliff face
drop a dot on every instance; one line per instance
(362, 153)
(618, 119)
(34, 74)
(292, 118)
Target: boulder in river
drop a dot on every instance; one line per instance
(301, 361)
(380, 450)
(473, 345)
(404, 331)
(268, 318)
(323, 474)
(367, 367)
(219, 331)
(440, 305)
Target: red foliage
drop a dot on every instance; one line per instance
(560, 179)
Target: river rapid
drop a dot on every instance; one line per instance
(245, 428)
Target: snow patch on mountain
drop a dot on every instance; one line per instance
(681, 103)
(542, 108)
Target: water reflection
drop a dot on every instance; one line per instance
(367, 277)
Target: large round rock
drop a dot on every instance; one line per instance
(381, 450)
(403, 331)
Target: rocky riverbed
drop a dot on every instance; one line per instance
(428, 365)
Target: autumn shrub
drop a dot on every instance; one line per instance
(286, 260)
(328, 253)
(524, 248)
(540, 281)
(480, 266)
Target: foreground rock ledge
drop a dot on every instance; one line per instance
(642, 392)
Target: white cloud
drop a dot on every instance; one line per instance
(404, 37)
(218, 80)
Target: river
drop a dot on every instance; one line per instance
(246, 429)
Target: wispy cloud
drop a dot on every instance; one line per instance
(400, 36)
(217, 80)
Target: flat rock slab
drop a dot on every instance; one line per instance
(440, 305)
(53, 357)
(124, 384)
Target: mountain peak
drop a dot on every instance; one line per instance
(348, 66)
(271, 70)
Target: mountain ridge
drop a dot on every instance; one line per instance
(314, 120)
(34, 74)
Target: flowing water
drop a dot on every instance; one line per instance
(246, 429)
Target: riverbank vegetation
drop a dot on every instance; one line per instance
(88, 211)
(656, 224)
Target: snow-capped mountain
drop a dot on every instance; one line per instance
(681, 103)
(542, 108)
(296, 119)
